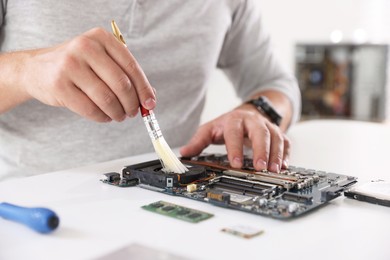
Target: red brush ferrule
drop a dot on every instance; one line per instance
(144, 111)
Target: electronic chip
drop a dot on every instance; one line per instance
(156, 205)
(178, 212)
(243, 231)
(183, 212)
(194, 215)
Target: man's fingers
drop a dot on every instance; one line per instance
(260, 137)
(116, 79)
(97, 91)
(270, 146)
(201, 139)
(286, 152)
(122, 56)
(276, 150)
(77, 101)
(144, 89)
(234, 141)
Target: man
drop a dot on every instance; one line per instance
(59, 78)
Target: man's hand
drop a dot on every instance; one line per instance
(244, 126)
(93, 75)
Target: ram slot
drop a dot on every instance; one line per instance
(277, 176)
(268, 179)
(244, 187)
(249, 182)
(284, 183)
(235, 172)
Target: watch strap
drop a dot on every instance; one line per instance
(265, 107)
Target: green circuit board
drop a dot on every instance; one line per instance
(178, 212)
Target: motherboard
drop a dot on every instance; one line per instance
(290, 193)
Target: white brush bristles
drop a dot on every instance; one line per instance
(170, 161)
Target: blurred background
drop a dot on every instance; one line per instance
(337, 49)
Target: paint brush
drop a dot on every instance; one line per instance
(168, 159)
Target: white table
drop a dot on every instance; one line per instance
(97, 219)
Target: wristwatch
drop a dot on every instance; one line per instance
(265, 107)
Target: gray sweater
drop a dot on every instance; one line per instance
(178, 44)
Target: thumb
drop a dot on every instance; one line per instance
(201, 139)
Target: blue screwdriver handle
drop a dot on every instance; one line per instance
(42, 220)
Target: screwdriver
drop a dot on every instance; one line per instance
(42, 220)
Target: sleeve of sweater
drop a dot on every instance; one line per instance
(248, 60)
(3, 4)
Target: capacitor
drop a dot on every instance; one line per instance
(292, 207)
(191, 187)
(263, 202)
